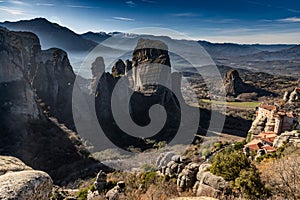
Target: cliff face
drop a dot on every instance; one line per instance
(53, 82)
(140, 95)
(147, 59)
(30, 81)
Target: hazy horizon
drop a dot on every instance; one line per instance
(236, 21)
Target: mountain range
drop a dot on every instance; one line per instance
(256, 57)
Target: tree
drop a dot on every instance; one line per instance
(250, 184)
(229, 164)
(284, 177)
(236, 168)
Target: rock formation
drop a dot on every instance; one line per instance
(116, 192)
(34, 85)
(18, 181)
(288, 136)
(100, 182)
(144, 79)
(235, 86)
(98, 68)
(118, 69)
(194, 177)
(292, 96)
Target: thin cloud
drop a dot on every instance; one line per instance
(123, 18)
(274, 6)
(290, 20)
(45, 4)
(130, 3)
(12, 11)
(149, 1)
(81, 6)
(20, 3)
(293, 10)
(185, 15)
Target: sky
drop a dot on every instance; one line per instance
(240, 21)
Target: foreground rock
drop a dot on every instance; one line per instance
(192, 177)
(20, 182)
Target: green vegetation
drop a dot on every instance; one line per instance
(148, 168)
(250, 104)
(236, 168)
(82, 194)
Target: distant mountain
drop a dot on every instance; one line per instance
(271, 47)
(285, 54)
(52, 34)
(219, 50)
(96, 37)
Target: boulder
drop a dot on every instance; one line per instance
(11, 164)
(187, 177)
(213, 181)
(18, 181)
(163, 159)
(207, 191)
(117, 192)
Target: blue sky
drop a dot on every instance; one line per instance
(242, 21)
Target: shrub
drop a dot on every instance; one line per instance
(229, 165)
(236, 168)
(250, 184)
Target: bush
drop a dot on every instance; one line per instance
(149, 168)
(250, 184)
(236, 168)
(229, 164)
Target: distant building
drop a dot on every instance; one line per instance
(269, 118)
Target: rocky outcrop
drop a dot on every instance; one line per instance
(128, 65)
(235, 86)
(147, 59)
(34, 85)
(288, 136)
(100, 182)
(53, 82)
(18, 181)
(187, 177)
(163, 159)
(118, 69)
(98, 68)
(293, 96)
(175, 166)
(195, 177)
(142, 92)
(116, 193)
(11, 164)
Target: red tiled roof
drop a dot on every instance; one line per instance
(254, 147)
(267, 107)
(268, 148)
(271, 140)
(254, 141)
